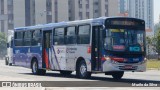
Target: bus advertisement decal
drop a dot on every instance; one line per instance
(56, 58)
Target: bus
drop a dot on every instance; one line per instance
(9, 56)
(109, 45)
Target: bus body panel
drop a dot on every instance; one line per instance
(35, 53)
(76, 52)
(64, 57)
(112, 66)
(24, 56)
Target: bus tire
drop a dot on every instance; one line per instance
(81, 70)
(66, 72)
(117, 75)
(35, 69)
(41, 72)
(6, 61)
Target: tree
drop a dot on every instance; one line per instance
(3, 45)
(149, 44)
(157, 43)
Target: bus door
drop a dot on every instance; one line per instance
(46, 54)
(96, 44)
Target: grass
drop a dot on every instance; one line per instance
(153, 64)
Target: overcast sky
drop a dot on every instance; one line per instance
(156, 10)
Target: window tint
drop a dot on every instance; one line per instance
(36, 37)
(18, 42)
(18, 35)
(59, 32)
(84, 34)
(71, 31)
(18, 39)
(59, 36)
(27, 35)
(84, 30)
(27, 38)
(71, 35)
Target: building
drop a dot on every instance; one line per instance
(157, 27)
(32, 12)
(123, 6)
(85, 9)
(3, 16)
(143, 9)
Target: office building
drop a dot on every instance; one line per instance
(143, 9)
(32, 12)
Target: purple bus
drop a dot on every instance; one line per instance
(111, 45)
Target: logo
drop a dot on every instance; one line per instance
(6, 84)
(136, 49)
(58, 51)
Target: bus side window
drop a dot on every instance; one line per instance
(36, 37)
(84, 34)
(18, 38)
(71, 35)
(59, 36)
(27, 38)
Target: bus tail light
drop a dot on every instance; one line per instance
(89, 49)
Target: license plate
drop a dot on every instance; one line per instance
(128, 67)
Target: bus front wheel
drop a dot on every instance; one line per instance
(81, 71)
(35, 69)
(117, 75)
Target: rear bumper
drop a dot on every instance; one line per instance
(115, 66)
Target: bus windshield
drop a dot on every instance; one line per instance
(124, 40)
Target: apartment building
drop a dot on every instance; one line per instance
(143, 9)
(32, 12)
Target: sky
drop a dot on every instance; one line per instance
(156, 10)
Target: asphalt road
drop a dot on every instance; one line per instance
(16, 73)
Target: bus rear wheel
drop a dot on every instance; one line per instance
(35, 69)
(81, 71)
(117, 75)
(66, 72)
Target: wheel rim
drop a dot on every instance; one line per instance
(83, 69)
(34, 67)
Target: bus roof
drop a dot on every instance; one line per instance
(48, 26)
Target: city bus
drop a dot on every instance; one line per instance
(109, 45)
